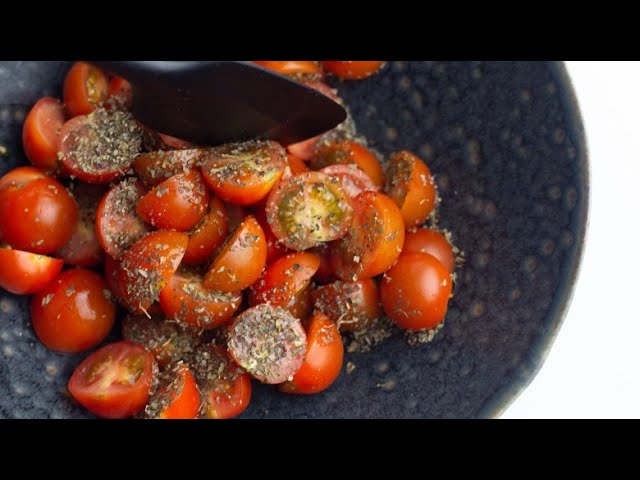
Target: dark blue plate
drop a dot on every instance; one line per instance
(506, 143)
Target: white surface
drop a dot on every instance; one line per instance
(593, 368)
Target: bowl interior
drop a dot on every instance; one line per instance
(505, 142)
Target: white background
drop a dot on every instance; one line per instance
(593, 368)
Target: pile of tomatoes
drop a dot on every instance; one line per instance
(232, 262)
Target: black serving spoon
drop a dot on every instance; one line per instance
(215, 102)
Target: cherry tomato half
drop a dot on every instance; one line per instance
(415, 291)
(352, 306)
(353, 180)
(24, 273)
(433, 242)
(349, 152)
(352, 70)
(85, 88)
(323, 360)
(73, 313)
(208, 235)
(115, 381)
(41, 131)
(120, 89)
(155, 167)
(177, 395)
(174, 142)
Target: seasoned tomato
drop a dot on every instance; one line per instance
(349, 152)
(301, 304)
(73, 313)
(411, 186)
(185, 300)
(148, 266)
(120, 89)
(24, 273)
(167, 341)
(308, 209)
(296, 165)
(324, 274)
(208, 235)
(352, 306)
(41, 131)
(176, 143)
(115, 381)
(373, 242)
(177, 395)
(268, 342)
(111, 276)
(178, 203)
(83, 249)
(294, 68)
(434, 243)
(323, 360)
(352, 70)
(155, 167)
(284, 279)
(353, 180)
(225, 388)
(275, 248)
(415, 291)
(240, 260)
(44, 212)
(85, 88)
(244, 173)
(100, 147)
(117, 224)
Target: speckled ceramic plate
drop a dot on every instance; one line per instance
(506, 144)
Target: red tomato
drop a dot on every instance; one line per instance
(115, 381)
(275, 249)
(349, 152)
(323, 360)
(174, 142)
(41, 131)
(208, 235)
(415, 291)
(148, 266)
(178, 203)
(24, 273)
(83, 249)
(117, 224)
(352, 70)
(73, 313)
(434, 243)
(300, 305)
(284, 279)
(235, 215)
(111, 275)
(225, 388)
(308, 209)
(44, 213)
(177, 396)
(268, 342)
(296, 165)
(167, 341)
(353, 180)
(244, 173)
(411, 186)
(351, 306)
(85, 88)
(185, 300)
(293, 68)
(324, 274)
(374, 240)
(120, 89)
(153, 168)
(100, 147)
(240, 260)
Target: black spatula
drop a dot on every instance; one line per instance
(211, 103)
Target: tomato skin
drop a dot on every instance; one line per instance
(178, 203)
(415, 291)
(323, 360)
(244, 173)
(374, 241)
(292, 67)
(117, 224)
(225, 388)
(275, 249)
(434, 243)
(241, 260)
(411, 185)
(48, 213)
(40, 133)
(348, 152)
(147, 267)
(121, 90)
(25, 273)
(174, 142)
(102, 383)
(85, 87)
(208, 235)
(185, 300)
(73, 313)
(352, 70)
(296, 164)
(177, 396)
(352, 306)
